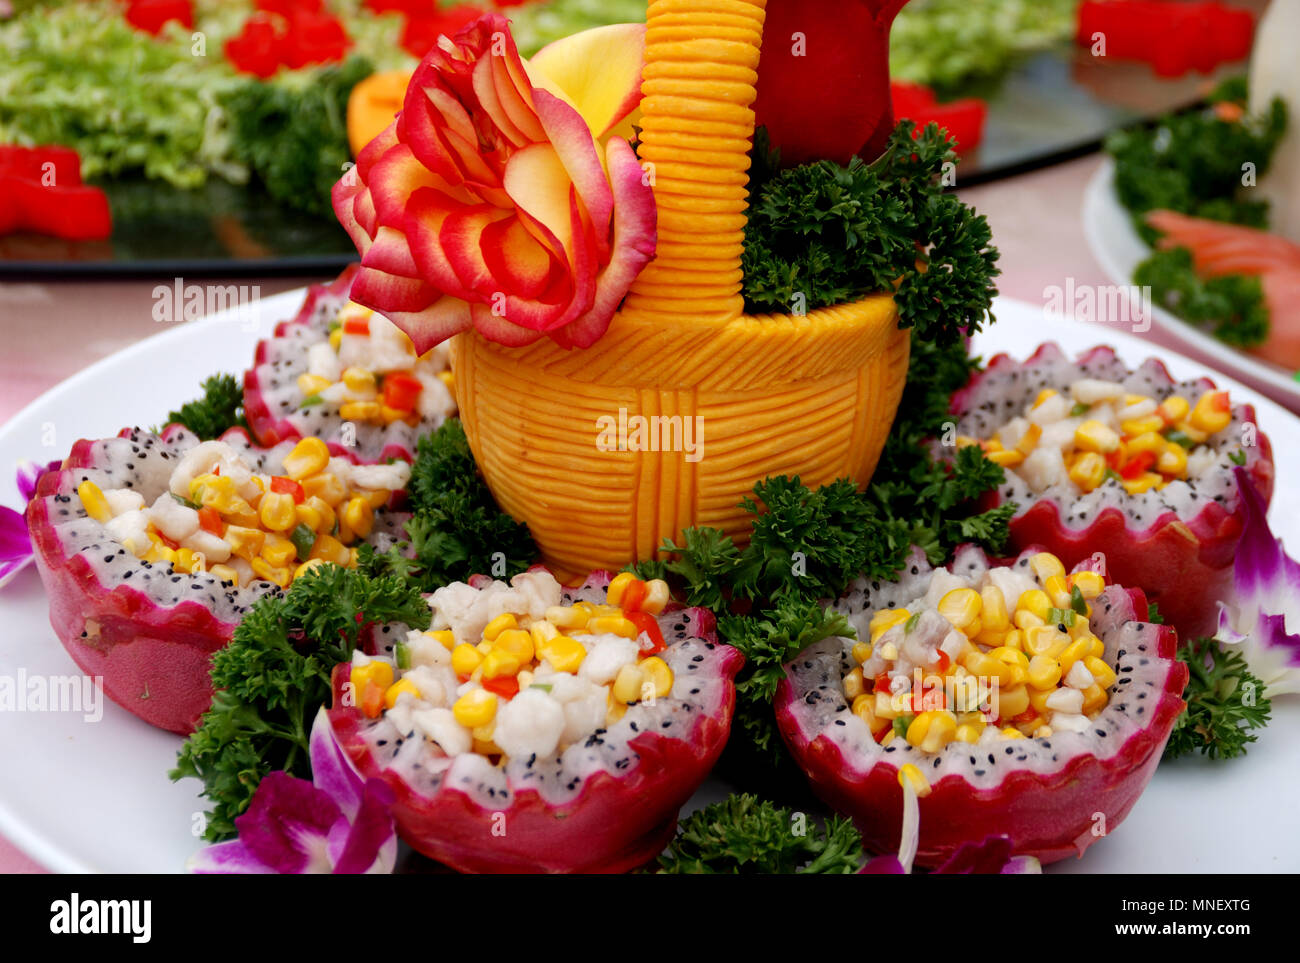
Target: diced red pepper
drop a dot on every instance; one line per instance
(943, 661)
(633, 596)
(372, 700)
(1136, 465)
(210, 521)
(962, 119)
(152, 15)
(167, 541)
(74, 213)
(257, 48)
(401, 391)
(1218, 401)
(881, 682)
(1027, 716)
(645, 622)
(287, 486)
(1173, 36)
(357, 326)
(506, 686)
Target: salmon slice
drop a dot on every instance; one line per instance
(1219, 249)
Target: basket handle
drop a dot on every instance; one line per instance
(697, 126)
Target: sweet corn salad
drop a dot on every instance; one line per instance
(1101, 432)
(220, 516)
(531, 680)
(369, 368)
(1011, 656)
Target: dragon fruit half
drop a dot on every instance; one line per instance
(337, 364)
(127, 607)
(1175, 533)
(1038, 764)
(594, 748)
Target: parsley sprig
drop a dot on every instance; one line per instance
(1225, 702)
(220, 408)
(822, 234)
(743, 835)
(274, 675)
(456, 529)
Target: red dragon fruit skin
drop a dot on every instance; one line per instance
(1048, 798)
(145, 630)
(618, 810)
(1184, 564)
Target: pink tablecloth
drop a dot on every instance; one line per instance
(1035, 220)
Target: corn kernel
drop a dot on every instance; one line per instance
(1073, 652)
(1174, 409)
(1143, 482)
(331, 550)
(1035, 602)
(979, 664)
(308, 457)
(1102, 673)
(366, 411)
(1043, 732)
(657, 673)
(245, 542)
(1015, 640)
(862, 652)
(993, 609)
(615, 624)
(445, 637)
(627, 684)
(657, 596)
(1029, 440)
(277, 550)
(310, 384)
(1211, 413)
(864, 708)
(1045, 565)
(567, 617)
(1038, 699)
(564, 653)
(1094, 698)
(326, 486)
(542, 631)
(1092, 435)
(1173, 461)
(277, 512)
(1007, 459)
(518, 642)
(617, 586)
(96, 505)
(1013, 701)
(475, 708)
(280, 575)
(359, 517)
(961, 607)
(500, 662)
(1147, 441)
(909, 774)
(359, 381)
(308, 566)
(392, 693)
(932, 730)
(1136, 427)
(336, 339)
(378, 672)
(225, 573)
(1009, 656)
(884, 707)
(886, 619)
(499, 625)
(968, 733)
(1011, 733)
(854, 684)
(1044, 395)
(465, 658)
(1058, 592)
(1044, 672)
(1089, 584)
(1047, 640)
(308, 515)
(1088, 471)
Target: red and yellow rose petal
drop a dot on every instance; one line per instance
(599, 73)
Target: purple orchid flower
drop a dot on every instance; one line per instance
(15, 543)
(337, 823)
(990, 856)
(1266, 599)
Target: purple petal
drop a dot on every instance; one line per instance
(231, 857)
(372, 843)
(287, 825)
(883, 866)
(29, 473)
(1022, 866)
(332, 771)
(14, 540)
(1266, 597)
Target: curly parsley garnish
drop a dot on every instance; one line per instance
(1225, 702)
(743, 835)
(220, 408)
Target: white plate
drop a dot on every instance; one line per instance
(1119, 250)
(81, 796)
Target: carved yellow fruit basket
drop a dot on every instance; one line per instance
(726, 398)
